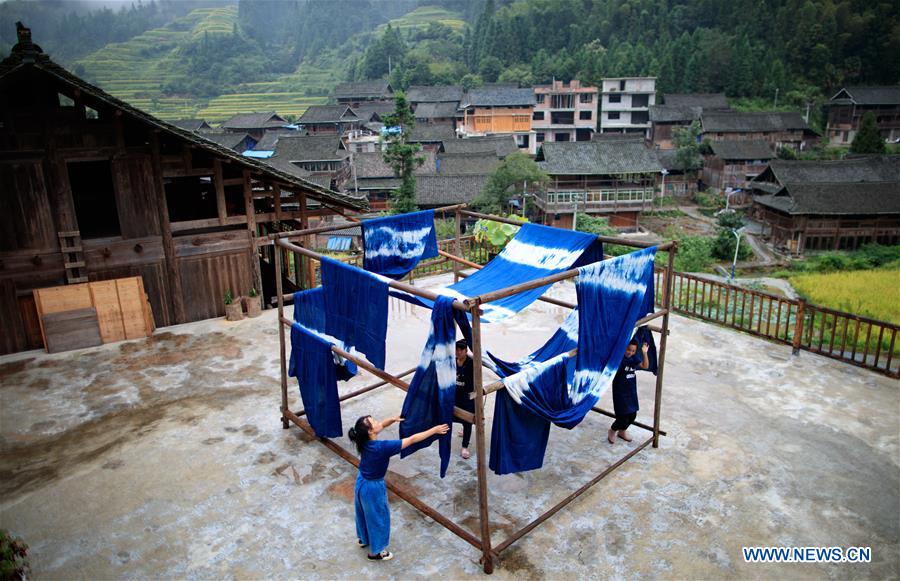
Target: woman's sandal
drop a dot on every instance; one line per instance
(382, 556)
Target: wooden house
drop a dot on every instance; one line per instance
(829, 205)
(676, 181)
(847, 107)
(354, 93)
(615, 178)
(732, 164)
(254, 124)
(95, 189)
(775, 128)
(329, 120)
(499, 110)
(680, 111)
(192, 124)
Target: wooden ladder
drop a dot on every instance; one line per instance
(73, 256)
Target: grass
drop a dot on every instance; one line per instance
(870, 293)
(423, 16)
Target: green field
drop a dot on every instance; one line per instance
(870, 293)
(423, 16)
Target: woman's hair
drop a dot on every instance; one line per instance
(359, 433)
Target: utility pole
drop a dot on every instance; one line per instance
(389, 69)
(806, 117)
(775, 106)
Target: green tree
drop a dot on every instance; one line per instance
(401, 156)
(868, 139)
(514, 171)
(687, 149)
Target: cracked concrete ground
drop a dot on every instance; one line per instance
(165, 458)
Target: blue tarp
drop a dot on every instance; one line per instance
(258, 154)
(394, 245)
(339, 243)
(611, 297)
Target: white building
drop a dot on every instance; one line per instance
(625, 104)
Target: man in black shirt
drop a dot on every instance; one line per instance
(465, 383)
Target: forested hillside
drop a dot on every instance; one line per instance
(211, 58)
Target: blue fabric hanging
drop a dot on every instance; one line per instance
(356, 308)
(432, 392)
(562, 390)
(535, 251)
(394, 245)
(313, 363)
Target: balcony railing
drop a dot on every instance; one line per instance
(610, 200)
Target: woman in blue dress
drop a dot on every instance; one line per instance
(624, 391)
(373, 516)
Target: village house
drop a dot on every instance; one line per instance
(239, 142)
(322, 156)
(565, 112)
(615, 178)
(358, 92)
(778, 129)
(328, 120)
(847, 107)
(95, 189)
(732, 164)
(625, 107)
(499, 109)
(679, 111)
(431, 137)
(675, 181)
(435, 105)
(254, 124)
(192, 124)
(829, 205)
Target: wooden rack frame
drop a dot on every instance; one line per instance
(482, 539)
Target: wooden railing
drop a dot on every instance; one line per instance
(844, 336)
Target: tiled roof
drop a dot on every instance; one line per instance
(673, 113)
(378, 183)
(702, 100)
(435, 110)
(836, 199)
(254, 121)
(271, 137)
(735, 122)
(873, 95)
(499, 145)
(310, 148)
(598, 158)
(466, 163)
(364, 89)
(435, 94)
(430, 133)
(498, 97)
(327, 114)
(370, 164)
(869, 168)
(742, 150)
(441, 190)
(229, 139)
(369, 110)
(29, 58)
(668, 158)
(191, 124)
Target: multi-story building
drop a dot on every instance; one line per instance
(499, 110)
(625, 107)
(778, 129)
(565, 112)
(847, 107)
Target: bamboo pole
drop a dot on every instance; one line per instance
(457, 245)
(366, 389)
(661, 352)
(480, 444)
(641, 425)
(281, 348)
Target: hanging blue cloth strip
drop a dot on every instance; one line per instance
(356, 308)
(314, 365)
(394, 245)
(432, 392)
(536, 251)
(562, 389)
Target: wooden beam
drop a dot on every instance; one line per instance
(251, 227)
(220, 191)
(276, 191)
(176, 296)
(480, 443)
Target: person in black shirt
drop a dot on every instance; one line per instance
(625, 398)
(465, 383)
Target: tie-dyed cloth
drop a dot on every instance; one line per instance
(535, 252)
(432, 392)
(394, 245)
(612, 296)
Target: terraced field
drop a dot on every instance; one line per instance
(423, 16)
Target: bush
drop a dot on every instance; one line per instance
(14, 562)
(694, 254)
(869, 256)
(709, 199)
(723, 247)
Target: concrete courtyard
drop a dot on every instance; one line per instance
(165, 458)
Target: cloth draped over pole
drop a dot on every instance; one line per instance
(394, 245)
(549, 385)
(432, 391)
(535, 251)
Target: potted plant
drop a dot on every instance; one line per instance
(495, 235)
(233, 310)
(253, 304)
(14, 563)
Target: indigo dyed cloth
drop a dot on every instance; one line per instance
(432, 392)
(373, 514)
(314, 366)
(394, 245)
(536, 251)
(309, 312)
(562, 389)
(356, 308)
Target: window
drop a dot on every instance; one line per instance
(522, 141)
(615, 98)
(191, 198)
(639, 117)
(640, 100)
(90, 113)
(562, 101)
(562, 117)
(540, 97)
(622, 85)
(539, 137)
(585, 98)
(560, 137)
(95, 198)
(65, 101)
(538, 116)
(585, 115)
(613, 115)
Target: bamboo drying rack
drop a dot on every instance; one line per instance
(482, 539)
